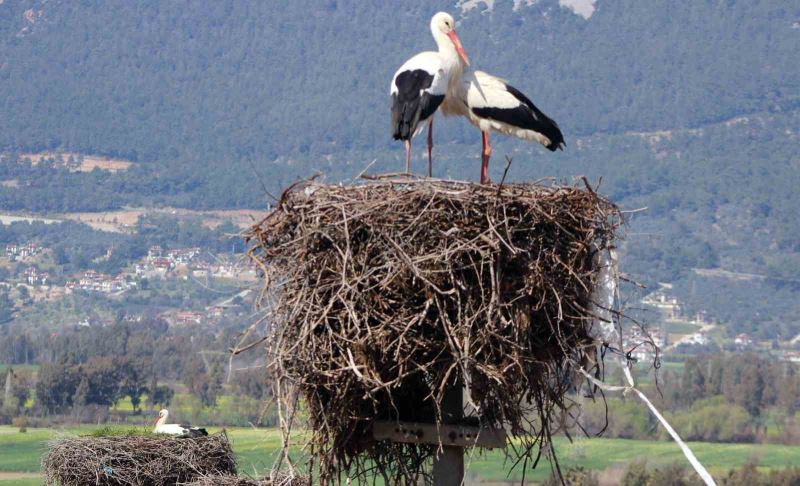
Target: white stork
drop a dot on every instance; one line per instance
(420, 85)
(174, 429)
(490, 103)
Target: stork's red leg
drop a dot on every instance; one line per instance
(430, 148)
(408, 157)
(486, 154)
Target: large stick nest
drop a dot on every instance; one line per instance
(136, 460)
(384, 294)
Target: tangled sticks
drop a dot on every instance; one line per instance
(136, 460)
(385, 294)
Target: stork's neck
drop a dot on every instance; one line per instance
(447, 51)
(160, 421)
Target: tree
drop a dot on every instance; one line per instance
(789, 393)
(105, 380)
(6, 307)
(81, 393)
(716, 369)
(133, 382)
(20, 390)
(252, 383)
(750, 390)
(693, 381)
(162, 396)
(55, 389)
(203, 384)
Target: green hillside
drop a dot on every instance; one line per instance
(691, 110)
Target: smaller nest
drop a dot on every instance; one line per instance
(133, 460)
(231, 480)
(386, 294)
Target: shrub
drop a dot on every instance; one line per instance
(22, 423)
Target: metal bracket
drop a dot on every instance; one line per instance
(448, 435)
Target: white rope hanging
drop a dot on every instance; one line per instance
(606, 297)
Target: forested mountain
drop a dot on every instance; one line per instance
(688, 108)
(194, 80)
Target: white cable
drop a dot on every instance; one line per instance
(606, 293)
(702, 471)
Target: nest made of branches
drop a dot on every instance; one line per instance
(232, 480)
(383, 295)
(136, 460)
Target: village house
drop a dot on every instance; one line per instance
(659, 337)
(668, 305)
(189, 317)
(154, 252)
(743, 341)
(201, 269)
(34, 277)
(215, 312)
(93, 281)
(90, 280)
(792, 356)
(162, 264)
(643, 353)
(183, 255)
(697, 339)
(14, 250)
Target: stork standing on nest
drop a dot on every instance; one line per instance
(162, 427)
(491, 104)
(420, 85)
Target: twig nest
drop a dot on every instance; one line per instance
(136, 460)
(384, 294)
(231, 480)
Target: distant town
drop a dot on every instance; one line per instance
(672, 331)
(32, 274)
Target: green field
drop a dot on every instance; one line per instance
(256, 448)
(679, 327)
(4, 367)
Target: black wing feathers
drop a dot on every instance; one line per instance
(410, 105)
(526, 116)
(189, 431)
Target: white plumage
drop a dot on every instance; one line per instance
(175, 429)
(420, 85)
(491, 104)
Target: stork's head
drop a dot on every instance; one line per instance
(162, 416)
(443, 24)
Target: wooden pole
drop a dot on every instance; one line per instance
(448, 465)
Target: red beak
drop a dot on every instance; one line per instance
(456, 42)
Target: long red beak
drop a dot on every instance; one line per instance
(456, 42)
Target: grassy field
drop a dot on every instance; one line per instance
(679, 327)
(256, 448)
(18, 367)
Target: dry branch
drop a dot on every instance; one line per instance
(384, 294)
